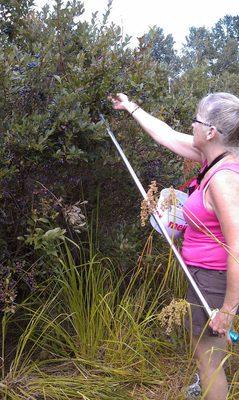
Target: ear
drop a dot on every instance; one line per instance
(212, 133)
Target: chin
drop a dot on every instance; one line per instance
(194, 145)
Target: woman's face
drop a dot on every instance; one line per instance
(200, 129)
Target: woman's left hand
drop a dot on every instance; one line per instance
(221, 323)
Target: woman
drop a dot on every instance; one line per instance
(211, 240)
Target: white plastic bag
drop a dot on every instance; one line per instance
(170, 212)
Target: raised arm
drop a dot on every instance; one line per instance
(162, 133)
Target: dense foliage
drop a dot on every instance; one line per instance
(56, 72)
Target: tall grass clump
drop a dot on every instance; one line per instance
(94, 333)
(109, 315)
(97, 335)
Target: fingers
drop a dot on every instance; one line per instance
(220, 325)
(118, 101)
(120, 97)
(110, 97)
(218, 329)
(222, 333)
(113, 100)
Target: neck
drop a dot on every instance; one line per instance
(211, 164)
(211, 154)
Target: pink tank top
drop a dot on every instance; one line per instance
(204, 244)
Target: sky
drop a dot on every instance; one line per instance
(135, 17)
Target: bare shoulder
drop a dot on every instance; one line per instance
(225, 178)
(224, 186)
(223, 200)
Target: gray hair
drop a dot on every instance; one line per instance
(222, 111)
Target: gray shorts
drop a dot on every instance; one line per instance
(212, 284)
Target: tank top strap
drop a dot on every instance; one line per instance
(228, 166)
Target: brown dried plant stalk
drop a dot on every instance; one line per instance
(170, 201)
(149, 204)
(172, 314)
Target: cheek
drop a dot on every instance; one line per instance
(197, 138)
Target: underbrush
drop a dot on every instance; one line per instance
(99, 334)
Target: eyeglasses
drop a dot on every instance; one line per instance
(200, 122)
(204, 123)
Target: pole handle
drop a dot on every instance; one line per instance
(233, 335)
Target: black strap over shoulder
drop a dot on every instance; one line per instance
(206, 169)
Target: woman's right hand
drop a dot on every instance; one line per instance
(120, 101)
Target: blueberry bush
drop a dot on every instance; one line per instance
(56, 73)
